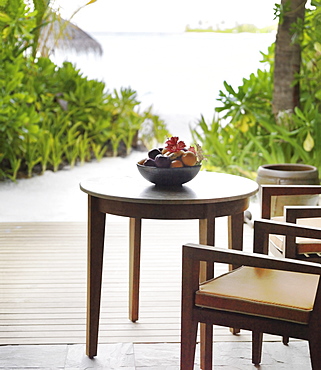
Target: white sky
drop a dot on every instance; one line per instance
(165, 15)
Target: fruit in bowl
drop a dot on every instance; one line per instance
(175, 154)
(174, 164)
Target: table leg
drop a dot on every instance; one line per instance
(134, 266)
(235, 241)
(206, 237)
(235, 232)
(96, 236)
(207, 231)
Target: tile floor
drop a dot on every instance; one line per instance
(160, 356)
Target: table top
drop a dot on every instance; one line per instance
(206, 187)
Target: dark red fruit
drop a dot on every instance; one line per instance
(150, 162)
(153, 153)
(162, 161)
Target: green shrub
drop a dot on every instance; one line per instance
(53, 116)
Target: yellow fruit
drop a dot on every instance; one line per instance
(142, 161)
(189, 158)
(175, 155)
(165, 151)
(176, 163)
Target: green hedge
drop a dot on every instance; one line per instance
(51, 116)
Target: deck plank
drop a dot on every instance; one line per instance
(43, 282)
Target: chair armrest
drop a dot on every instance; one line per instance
(268, 191)
(292, 213)
(193, 254)
(196, 253)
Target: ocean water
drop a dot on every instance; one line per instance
(179, 74)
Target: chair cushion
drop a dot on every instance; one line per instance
(275, 294)
(304, 246)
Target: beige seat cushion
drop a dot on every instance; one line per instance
(270, 293)
(304, 246)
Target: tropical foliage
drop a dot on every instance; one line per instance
(52, 116)
(244, 133)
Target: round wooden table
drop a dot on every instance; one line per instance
(207, 196)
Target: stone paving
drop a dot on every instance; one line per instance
(160, 356)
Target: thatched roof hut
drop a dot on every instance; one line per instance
(60, 34)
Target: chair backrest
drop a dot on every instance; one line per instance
(290, 246)
(269, 191)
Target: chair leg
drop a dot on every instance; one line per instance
(285, 340)
(206, 340)
(188, 344)
(315, 353)
(257, 339)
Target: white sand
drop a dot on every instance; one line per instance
(56, 196)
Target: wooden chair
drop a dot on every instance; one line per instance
(291, 247)
(263, 295)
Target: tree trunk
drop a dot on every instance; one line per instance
(286, 94)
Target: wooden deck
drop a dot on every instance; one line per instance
(43, 282)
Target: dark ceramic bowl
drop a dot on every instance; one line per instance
(168, 176)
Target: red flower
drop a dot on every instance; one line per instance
(173, 145)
